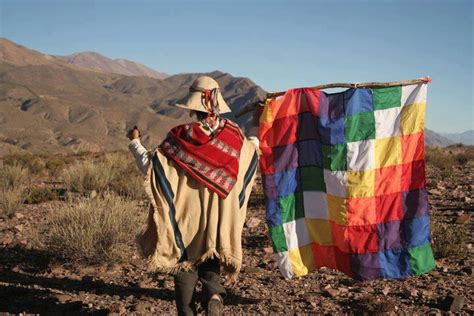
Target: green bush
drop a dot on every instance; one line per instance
(94, 230)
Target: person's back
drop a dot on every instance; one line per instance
(199, 181)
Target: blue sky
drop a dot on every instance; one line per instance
(277, 44)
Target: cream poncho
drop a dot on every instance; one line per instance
(187, 222)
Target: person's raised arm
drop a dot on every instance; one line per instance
(141, 154)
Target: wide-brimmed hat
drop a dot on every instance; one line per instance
(195, 99)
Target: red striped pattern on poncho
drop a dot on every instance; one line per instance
(213, 160)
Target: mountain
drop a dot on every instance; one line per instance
(49, 105)
(433, 139)
(17, 55)
(95, 61)
(466, 138)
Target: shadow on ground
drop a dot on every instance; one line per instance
(23, 290)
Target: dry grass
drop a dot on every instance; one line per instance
(126, 179)
(449, 240)
(13, 180)
(87, 176)
(94, 230)
(34, 163)
(35, 195)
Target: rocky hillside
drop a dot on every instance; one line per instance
(86, 101)
(48, 105)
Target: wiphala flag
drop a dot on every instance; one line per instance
(344, 179)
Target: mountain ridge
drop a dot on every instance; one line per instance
(95, 61)
(51, 106)
(48, 104)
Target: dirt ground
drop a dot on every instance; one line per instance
(33, 280)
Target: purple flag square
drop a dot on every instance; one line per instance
(366, 266)
(415, 203)
(285, 157)
(389, 235)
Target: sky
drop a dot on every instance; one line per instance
(277, 44)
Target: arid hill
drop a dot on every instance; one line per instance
(87, 102)
(48, 105)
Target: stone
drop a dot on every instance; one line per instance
(268, 249)
(331, 292)
(468, 270)
(253, 222)
(118, 309)
(140, 307)
(6, 240)
(385, 290)
(410, 292)
(63, 298)
(453, 303)
(463, 219)
(254, 270)
(18, 228)
(19, 215)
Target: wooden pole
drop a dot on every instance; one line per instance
(253, 106)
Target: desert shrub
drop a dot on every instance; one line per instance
(87, 176)
(95, 230)
(441, 160)
(55, 166)
(10, 201)
(13, 179)
(13, 176)
(129, 186)
(40, 194)
(462, 159)
(449, 240)
(126, 179)
(31, 162)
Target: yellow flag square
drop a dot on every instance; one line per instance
(412, 118)
(302, 260)
(337, 209)
(319, 231)
(361, 183)
(388, 151)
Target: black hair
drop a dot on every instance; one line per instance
(201, 115)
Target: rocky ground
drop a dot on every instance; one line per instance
(32, 280)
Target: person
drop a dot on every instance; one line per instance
(199, 181)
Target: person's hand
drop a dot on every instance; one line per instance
(134, 133)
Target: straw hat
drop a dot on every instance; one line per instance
(194, 100)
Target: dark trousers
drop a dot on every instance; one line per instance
(185, 283)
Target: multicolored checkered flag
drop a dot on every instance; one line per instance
(344, 179)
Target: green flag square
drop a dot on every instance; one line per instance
(421, 259)
(385, 98)
(360, 126)
(278, 237)
(335, 157)
(312, 179)
(291, 207)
